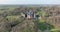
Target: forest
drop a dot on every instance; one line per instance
(29, 18)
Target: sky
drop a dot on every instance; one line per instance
(29, 1)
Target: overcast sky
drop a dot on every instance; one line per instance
(29, 1)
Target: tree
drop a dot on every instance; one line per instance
(41, 12)
(42, 25)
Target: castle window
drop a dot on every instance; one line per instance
(25, 15)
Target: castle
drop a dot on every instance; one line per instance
(30, 15)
